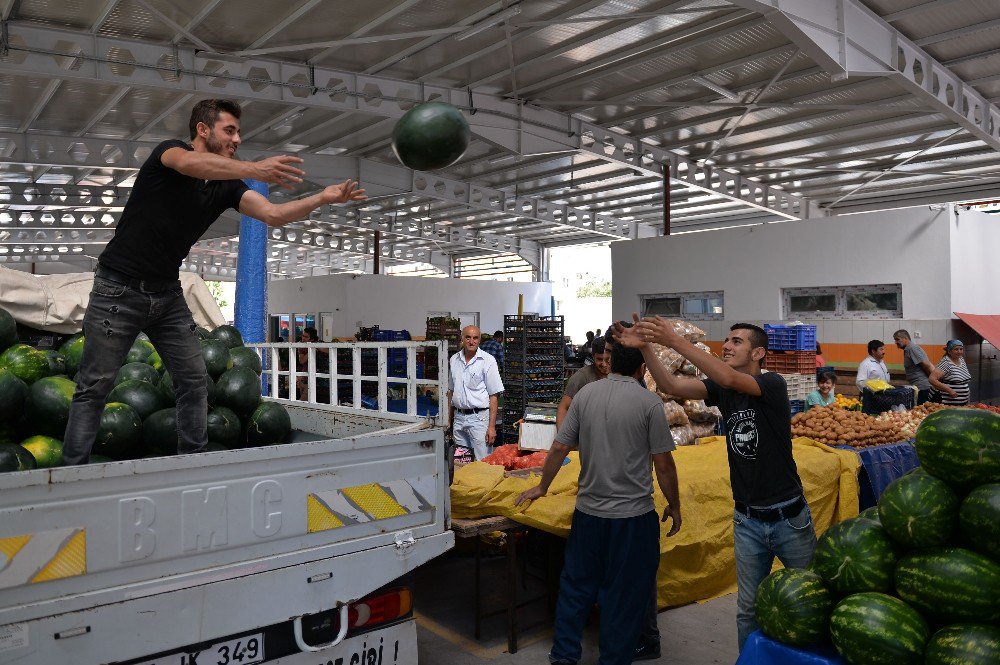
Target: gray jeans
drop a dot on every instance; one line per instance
(115, 316)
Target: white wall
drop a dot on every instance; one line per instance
(752, 265)
(975, 242)
(397, 303)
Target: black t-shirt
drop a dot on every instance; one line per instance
(758, 434)
(164, 216)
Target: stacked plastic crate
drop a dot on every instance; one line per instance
(534, 366)
(792, 353)
(446, 328)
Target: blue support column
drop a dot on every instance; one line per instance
(251, 275)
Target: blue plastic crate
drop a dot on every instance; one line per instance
(391, 336)
(797, 406)
(791, 338)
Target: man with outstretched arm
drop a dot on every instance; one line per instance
(613, 549)
(179, 191)
(771, 517)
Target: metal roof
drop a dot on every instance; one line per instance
(756, 110)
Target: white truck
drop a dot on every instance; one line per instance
(293, 554)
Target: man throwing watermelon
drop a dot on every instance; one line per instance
(181, 189)
(771, 517)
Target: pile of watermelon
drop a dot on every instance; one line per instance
(917, 578)
(140, 417)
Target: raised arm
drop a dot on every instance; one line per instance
(257, 206)
(277, 170)
(678, 386)
(659, 330)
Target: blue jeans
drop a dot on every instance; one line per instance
(469, 430)
(793, 541)
(115, 316)
(611, 562)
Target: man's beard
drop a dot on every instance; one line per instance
(216, 146)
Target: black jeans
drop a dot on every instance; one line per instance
(115, 316)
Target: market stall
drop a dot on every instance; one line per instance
(697, 563)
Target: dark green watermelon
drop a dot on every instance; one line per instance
(137, 372)
(979, 520)
(238, 389)
(14, 457)
(144, 397)
(213, 447)
(216, 357)
(246, 357)
(960, 446)
(140, 351)
(57, 362)
(159, 432)
(155, 361)
(8, 330)
(793, 606)
(228, 335)
(430, 136)
(268, 424)
(964, 644)
(47, 406)
(919, 510)
(46, 450)
(72, 351)
(166, 387)
(120, 435)
(855, 555)
(950, 584)
(26, 363)
(224, 427)
(870, 513)
(203, 333)
(13, 393)
(876, 629)
(101, 459)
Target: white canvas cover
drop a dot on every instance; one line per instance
(56, 303)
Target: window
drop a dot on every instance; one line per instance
(696, 306)
(844, 302)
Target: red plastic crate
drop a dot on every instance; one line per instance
(791, 362)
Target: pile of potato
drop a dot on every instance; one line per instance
(835, 426)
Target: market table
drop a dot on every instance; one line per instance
(880, 465)
(698, 563)
(762, 650)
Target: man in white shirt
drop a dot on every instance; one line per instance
(473, 388)
(873, 367)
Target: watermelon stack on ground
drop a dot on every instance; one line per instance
(793, 606)
(939, 576)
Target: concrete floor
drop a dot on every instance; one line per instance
(697, 634)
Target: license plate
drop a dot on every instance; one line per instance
(395, 645)
(246, 650)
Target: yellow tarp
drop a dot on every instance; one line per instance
(697, 563)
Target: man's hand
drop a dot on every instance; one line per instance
(674, 513)
(279, 170)
(629, 337)
(529, 495)
(345, 192)
(491, 435)
(658, 330)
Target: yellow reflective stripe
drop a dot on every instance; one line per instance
(375, 501)
(319, 517)
(9, 547)
(69, 561)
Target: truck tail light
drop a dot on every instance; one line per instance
(384, 606)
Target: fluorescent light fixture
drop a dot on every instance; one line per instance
(488, 22)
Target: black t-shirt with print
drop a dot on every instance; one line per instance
(164, 216)
(758, 434)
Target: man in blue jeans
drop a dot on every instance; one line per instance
(771, 517)
(613, 549)
(180, 190)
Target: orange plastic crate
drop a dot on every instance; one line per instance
(791, 362)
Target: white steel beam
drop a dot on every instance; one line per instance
(304, 8)
(500, 121)
(848, 39)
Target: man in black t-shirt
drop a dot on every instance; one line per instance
(180, 190)
(771, 517)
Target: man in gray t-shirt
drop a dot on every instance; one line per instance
(918, 367)
(613, 548)
(599, 370)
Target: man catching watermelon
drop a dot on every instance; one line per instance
(771, 517)
(181, 189)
